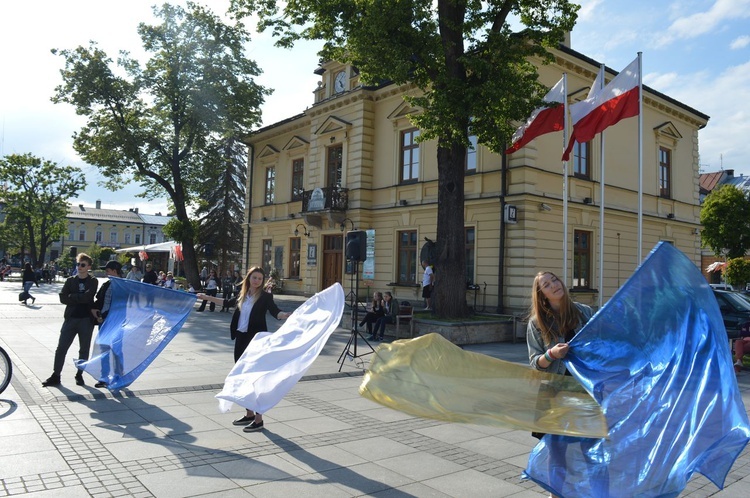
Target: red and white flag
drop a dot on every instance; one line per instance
(543, 120)
(604, 108)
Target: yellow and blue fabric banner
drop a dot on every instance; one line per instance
(656, 357)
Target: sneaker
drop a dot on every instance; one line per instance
(33, 300)
(100, 385)
(255, 426)
(54, 380)
(372, 338)
(79, 380)
(244, 420)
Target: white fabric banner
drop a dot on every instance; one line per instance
(274, 362)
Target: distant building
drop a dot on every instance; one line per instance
(108, 228)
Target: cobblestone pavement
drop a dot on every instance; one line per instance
(166, 438)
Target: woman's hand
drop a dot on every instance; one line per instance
(283, 315)
(201, 295)
(559, 350)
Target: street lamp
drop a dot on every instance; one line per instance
(304, 228)
(343, 224)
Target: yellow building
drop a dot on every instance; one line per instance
(108, 228)
(351, 161)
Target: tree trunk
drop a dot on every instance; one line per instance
(449, 299)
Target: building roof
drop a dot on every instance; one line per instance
(709, 181)
(155, 219)
(81, 212)
(87, 213)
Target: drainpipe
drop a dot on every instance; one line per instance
(501, 256)
(249, 201)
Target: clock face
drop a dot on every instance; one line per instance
(339, 84)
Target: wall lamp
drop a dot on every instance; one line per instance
(588, 200)
(544, 207)
(670, 216)
(343, 224)
(264, 219)
(291, 215)
(696, 231)
(304, 228)
(403, 202)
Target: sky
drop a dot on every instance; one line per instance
(695, 51)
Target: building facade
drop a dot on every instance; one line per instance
(352, 161)
(108, 228)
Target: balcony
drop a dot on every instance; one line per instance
(325, 199)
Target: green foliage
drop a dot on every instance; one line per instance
(725, 216)
(158, 122)
(95, 251)
(180, 231)
(35, 195)
(470, 67)
(737, 272)
(106, 254)
(223, 205)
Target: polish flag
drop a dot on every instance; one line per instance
(543, 120)
(605, 107)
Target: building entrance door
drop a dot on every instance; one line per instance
(333, 259)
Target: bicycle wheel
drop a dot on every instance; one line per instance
(6, 370)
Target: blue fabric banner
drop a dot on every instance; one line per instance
(142, 319)
(656, 358)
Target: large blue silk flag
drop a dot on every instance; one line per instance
(142, 320)
(656, 358)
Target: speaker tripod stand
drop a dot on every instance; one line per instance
(350, 350)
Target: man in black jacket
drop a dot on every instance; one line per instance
(77, 294)
(100, 310)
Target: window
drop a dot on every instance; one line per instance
(471, 155)
(582, 259)
(152, 238)
(298, 169)
(98, 238)
(407, 257)
(267, 256)
(335, 165)
(137, 239)
(82, 233)
(113, 237)
(409, 155)
(469, 239)
(665, 172)
(270, 185)
(294, 250)
(582, 160)
(127, 238)
(72, 234)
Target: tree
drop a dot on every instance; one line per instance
(737, 272)
(36, 199)
(725, 216)
(159, 123)
(223, 205)
(472, 69)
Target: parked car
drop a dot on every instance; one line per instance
(726, 287)
(735, 310)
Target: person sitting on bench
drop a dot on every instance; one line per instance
(391, 311)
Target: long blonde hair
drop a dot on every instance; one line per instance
(245, 290)
(550, 322)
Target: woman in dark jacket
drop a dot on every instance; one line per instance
(376, 311)
(248, 319)
(29, 279)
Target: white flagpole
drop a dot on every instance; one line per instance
(601, 205)
(640, 159)
(565, 183)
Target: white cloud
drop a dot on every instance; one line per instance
(724, 141)
(740, 42)
(588, 9)
(700, 23)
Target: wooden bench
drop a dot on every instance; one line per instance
(405, 317)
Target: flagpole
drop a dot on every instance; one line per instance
(640, 159)
(565, 183)
(601, 204)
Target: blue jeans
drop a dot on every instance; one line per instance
(380, 325)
